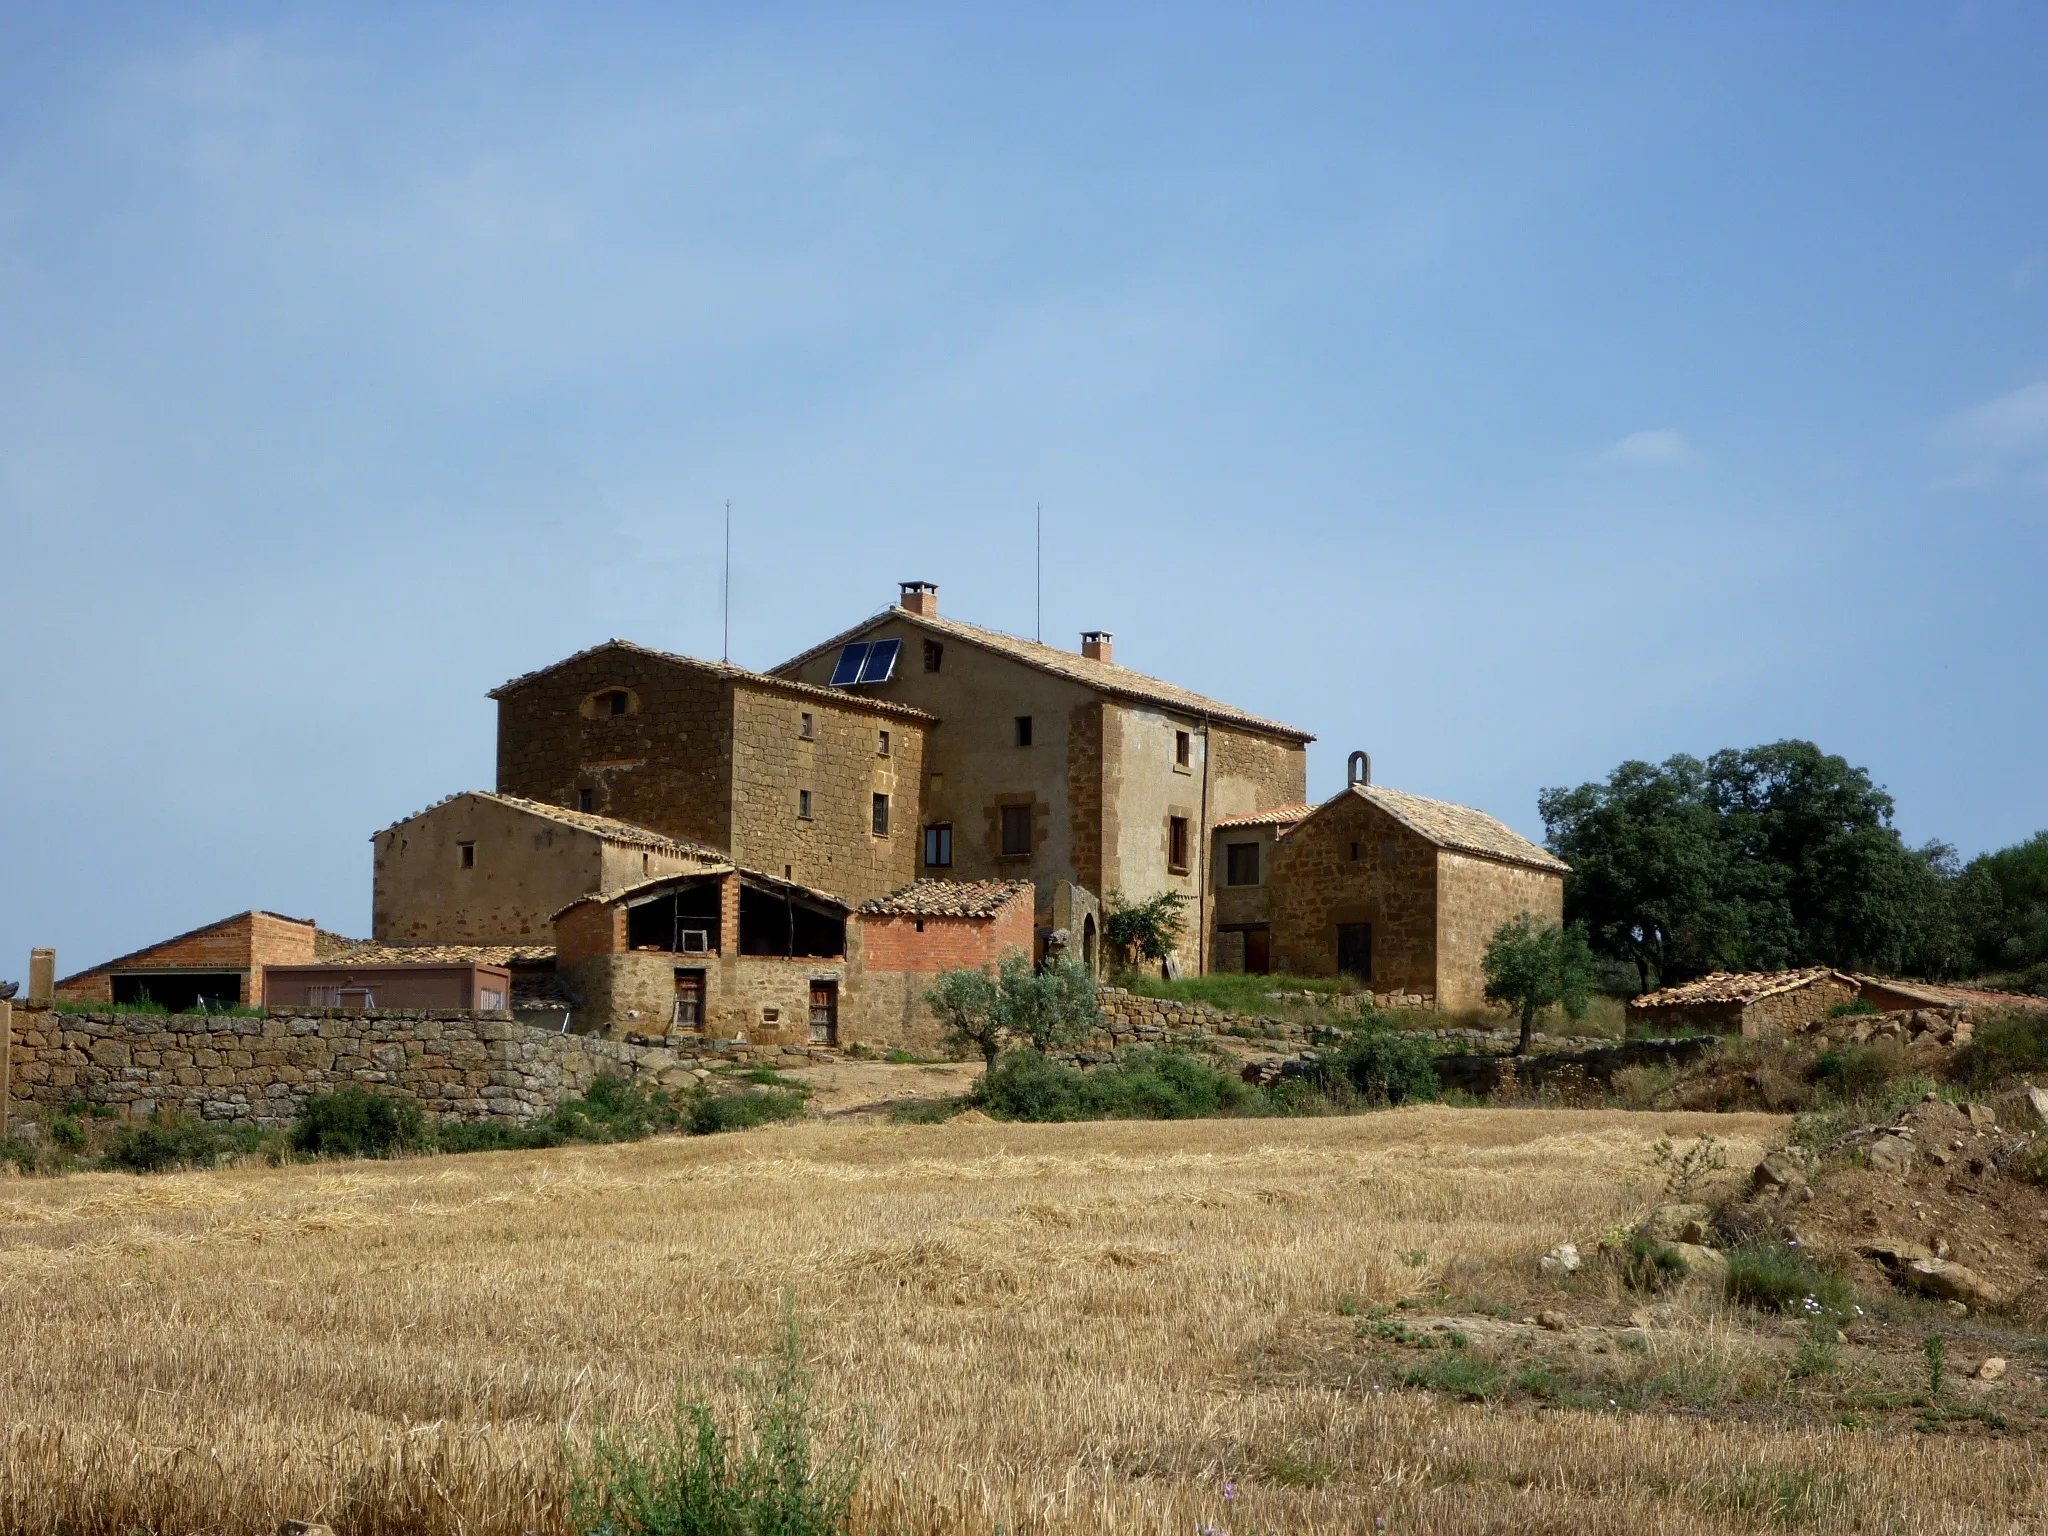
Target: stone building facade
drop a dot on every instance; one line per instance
(221, 963)
(481, 868)
(1051, 765)
(817, 785)
(1751, 1004)
(1403, 892)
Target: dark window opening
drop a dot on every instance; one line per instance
(807, 729)
(689, 1000)
(1241, 863)
(938, 845)
(1354, 852)
(1016, 830)
(1023, 730)
(685, 922)
(1177, 843)
(918, 924)
(586, 799)
(467, 852)
(778, 923)
(1183, 749)
(934, 653)
(617, 702)
(803, 804)
(824, 1013)
(1354, 951)
(881, 815)
(189, 993)
(882, 749)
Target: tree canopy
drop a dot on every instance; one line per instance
(1531, 965)
(1775, 856)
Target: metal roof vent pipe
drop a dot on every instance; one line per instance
(1358, 772)
(920, 598)
(1096, 645)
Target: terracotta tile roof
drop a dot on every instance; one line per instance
(191, 933)
(1457, 827)
(948, 898)
(372, 953)
(1935, 994)
(1104, 677)
(325, 943)
(1279, 816)
(609, 828)
(726, 670)
(1744, 987)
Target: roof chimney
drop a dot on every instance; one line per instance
(1095, 645)
(920, 598)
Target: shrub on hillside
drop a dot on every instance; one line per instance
(1774, 1276)
(168, 1142)
(1147, 1084)
(356, 1122)
(1386, 1066)
(2011, 1045)
(743, 1111)
(1853, 1071)
(494, 1136)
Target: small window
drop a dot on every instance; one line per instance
(490, 1000)
(1177, 842)
(934, 653)
(808, 730)
(882, 744)
(1354, 853)
(881, 815)
(586, 799)
(468, 852)
(1016, 830)
(616, 700)
(1182, 749)
(1241, 863)
(646, 861)
(803, 804)
(1023, 730)
(938, 845)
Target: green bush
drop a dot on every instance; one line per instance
(1154, 1083)
(615, 1109)
(355, 1122)
(2011, 1045)
(167, 1143)
(694, 1477)
(1852, 1008)
(743, 1111)
(1385, 1066)
(1854, 1071)
(1773, 1276)
(494, 1136)
(67, 1133)
(1650, 1266)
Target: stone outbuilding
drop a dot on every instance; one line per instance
(1401, 892)
(215, 966)
(1748, 1003)
(908, 937)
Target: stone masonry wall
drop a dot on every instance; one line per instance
(1474, 897)
(1391, 884)
(462, 1065)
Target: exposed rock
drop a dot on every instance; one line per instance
(1950, 1282)
(1891, 1154)
(1701, 1263)
(1894, 1253)
(1669, 1223)
(1556, 1322)
(1560, 1261)
(1981, 1114)
(2025, 1109)
(303, 1528)
(1991, 1369)
(1777, 1174)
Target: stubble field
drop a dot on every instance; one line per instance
(1054, 1328)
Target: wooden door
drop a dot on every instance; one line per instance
(824, 1013)
(1258, 950)
(689, 1000)
(1354, 951)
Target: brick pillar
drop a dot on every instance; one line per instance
(42, 976)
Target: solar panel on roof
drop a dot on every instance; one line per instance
(850, 660)
(881, 661)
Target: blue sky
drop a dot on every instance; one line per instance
(1507, 391)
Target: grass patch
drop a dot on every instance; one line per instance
(927, 1112)
(1773, 1276)
(1470, 1377)
(742, 1111)
(1852, 1071)
(1239, 992)
(1821, 1129)
(2009, 1046)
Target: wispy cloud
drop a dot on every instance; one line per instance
(1659, 447)
(2000, 442)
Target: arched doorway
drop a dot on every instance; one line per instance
(1088, 942)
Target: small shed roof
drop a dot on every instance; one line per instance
(193, 933)
(373, 953)
(1935, 994)
(1278, 816)
(948, 898)
(1743, 987)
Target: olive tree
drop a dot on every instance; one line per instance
(1532, 965)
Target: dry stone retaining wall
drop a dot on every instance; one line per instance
(465, 1066)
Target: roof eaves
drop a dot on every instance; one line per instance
(189, 933)
(720, 669)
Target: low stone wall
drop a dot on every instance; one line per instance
(466, 1066)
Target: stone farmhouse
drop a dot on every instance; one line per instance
(683, 845)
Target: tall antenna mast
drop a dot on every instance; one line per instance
(726, 602)
(1041, 574)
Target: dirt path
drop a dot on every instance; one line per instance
(869, 1089)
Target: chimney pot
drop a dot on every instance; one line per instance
(42, 977)
(1096, 645)
(920, 598)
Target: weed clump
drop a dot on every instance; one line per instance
(1774, 1276)
(2012, 1045)
(743, 1111)
(1852, 1071)
(355, 1122)
(695, 1477)
(169, 1143)
(1151, 1083)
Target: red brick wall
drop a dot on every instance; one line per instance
(239, 943)
(589, 928)
(894, 944)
